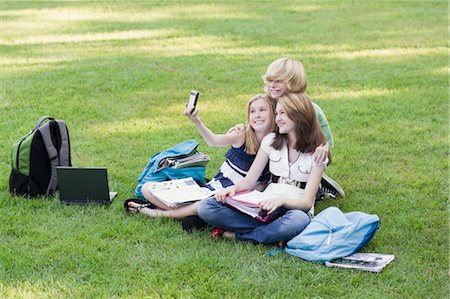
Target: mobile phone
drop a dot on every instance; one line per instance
(193, 97)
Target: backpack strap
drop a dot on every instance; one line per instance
(52, 155)
(41, 120)
(275, 251)
(64, 151)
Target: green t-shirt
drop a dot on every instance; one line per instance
(324, 124)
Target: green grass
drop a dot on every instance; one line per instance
(119, 73)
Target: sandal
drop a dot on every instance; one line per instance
(141, 202)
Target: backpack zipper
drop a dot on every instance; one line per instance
(330, 234)
(330, 231)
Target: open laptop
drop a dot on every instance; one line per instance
(84, 185)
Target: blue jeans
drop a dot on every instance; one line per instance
(288, 224)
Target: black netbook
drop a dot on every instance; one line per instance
(84, 185)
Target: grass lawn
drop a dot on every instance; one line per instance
(119, 74)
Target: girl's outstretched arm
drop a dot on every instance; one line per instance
(212, 139)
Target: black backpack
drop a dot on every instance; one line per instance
(35, 157)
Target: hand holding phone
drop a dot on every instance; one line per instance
(192, 103)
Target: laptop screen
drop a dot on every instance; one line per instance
(83, 185)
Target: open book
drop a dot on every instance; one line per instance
(176, 193)
(372, 262)
(248, 203)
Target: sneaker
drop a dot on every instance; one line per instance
(329, 188)
(320, 194)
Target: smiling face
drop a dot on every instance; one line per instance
(276, 88)
(283, 76)
(284, 123)
(260, 121)
(260, 116)
(297, 124)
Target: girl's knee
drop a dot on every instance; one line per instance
(205, 208)
(152, 199)
(297, 219)
(145, 192)
(297, 214)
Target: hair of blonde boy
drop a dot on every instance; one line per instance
(251, 141)
(289, 71)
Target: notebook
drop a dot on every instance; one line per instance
(248, 203)
(84, 185)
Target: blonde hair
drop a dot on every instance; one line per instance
(251, 141)
(289, 71)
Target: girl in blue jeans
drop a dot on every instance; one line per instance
(295, 178)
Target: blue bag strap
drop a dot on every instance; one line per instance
(275, 251)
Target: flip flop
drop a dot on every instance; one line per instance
(141, 202)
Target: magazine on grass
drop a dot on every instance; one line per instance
(248, 203)
(176, 193)
(373, 262)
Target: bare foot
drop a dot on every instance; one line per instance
(229, 235)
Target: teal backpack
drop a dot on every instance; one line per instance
(333, 234)
(156, 171)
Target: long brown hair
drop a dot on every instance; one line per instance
(299, 109)
(251, 141)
